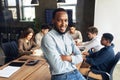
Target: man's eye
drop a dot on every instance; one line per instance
(58, 20)
(66, 20)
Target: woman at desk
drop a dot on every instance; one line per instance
(26, 44)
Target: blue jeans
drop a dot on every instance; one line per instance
(73, 75)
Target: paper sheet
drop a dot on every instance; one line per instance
(38, 52)
(8, 71)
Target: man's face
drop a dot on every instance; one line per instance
(104, 41)
(90, 35)
(72, 30)
(61, 21)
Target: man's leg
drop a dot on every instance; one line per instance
(84, 71)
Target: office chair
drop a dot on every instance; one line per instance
(2, 57)
(109, 74)
(6, 48)
(10, 50)
(111, 69)
(14, 48)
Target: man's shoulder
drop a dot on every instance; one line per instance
(78, 31)
(38, 34)
(52, 33)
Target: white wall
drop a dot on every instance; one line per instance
(107, 19)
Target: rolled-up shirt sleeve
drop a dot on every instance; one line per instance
(77, 56)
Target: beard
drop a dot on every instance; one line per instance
(60, 31)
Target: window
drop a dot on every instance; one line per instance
(69, 4)
(14, 11)
(11, 5)
(27, 10)
(22, 10)
(11, 2)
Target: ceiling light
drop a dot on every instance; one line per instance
(61, 1)
(34, 2)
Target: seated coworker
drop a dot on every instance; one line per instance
(44, 30)
(100, 61)
(94, 42)
(76, 34)
(26, 44)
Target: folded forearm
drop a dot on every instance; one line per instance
(66, 58)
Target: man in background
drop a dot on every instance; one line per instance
(44, 30)
(100, 60)
(94, 40)
(76, 35)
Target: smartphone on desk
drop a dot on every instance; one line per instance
(17, 64)
(32, 62)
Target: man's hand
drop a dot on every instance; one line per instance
(66, 58)
(85, 53)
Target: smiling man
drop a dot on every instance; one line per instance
(60, 50)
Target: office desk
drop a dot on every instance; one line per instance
(40, 71)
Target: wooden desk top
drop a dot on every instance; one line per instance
(40, 71)
(41, 74)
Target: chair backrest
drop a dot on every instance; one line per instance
(14, 48)
(6, 48)
(109, 74)
(10, 49)
(2, 57)
(113, 64)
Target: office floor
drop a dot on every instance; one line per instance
(116, 73)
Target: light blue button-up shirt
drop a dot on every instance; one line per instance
(54, 45)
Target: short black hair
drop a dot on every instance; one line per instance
(57, 10)
(45, 26)
(72, 25)
(108, 36)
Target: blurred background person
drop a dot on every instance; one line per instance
(38, 37)
(76, 35)
(94, 40)
(26, 44)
